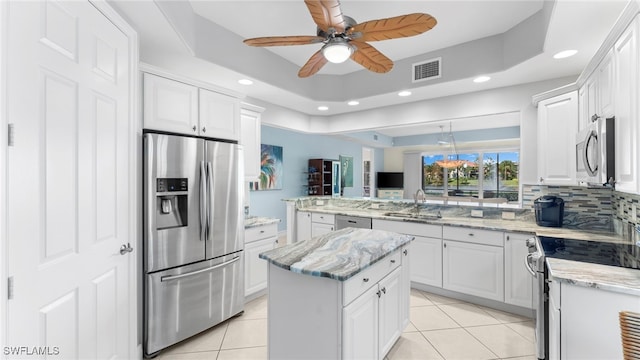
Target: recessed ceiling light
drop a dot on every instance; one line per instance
(245, 82)
(565, 54)
(404, 93)
(481, 79)
(353, 103)
(323, 108)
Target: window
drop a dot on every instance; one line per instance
(501, 175)
(482, 175)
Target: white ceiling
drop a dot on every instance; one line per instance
(574, 24)
(458, 22)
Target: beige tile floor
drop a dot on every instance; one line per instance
(440, 328)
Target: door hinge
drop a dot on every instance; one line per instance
(10, 288)
(10, 134)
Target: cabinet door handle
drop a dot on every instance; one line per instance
(445, 245)
(405, 252)
(204, 129)
(507, 237)
(194, 128)
(393, 261)
(470, 234)
(378, 293)
(384, 290)
(365, 279)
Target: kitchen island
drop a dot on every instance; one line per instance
(341, 295)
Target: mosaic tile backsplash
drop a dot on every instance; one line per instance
(584, 208)
(591, 208)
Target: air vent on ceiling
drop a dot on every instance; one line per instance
(426, 70)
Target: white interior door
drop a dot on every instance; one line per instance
(68, 182)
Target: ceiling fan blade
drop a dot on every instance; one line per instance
(283, 40)
(313, 65)
(370, 58)
(326, 14)
(393, 28)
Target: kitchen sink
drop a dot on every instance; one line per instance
(415, 216)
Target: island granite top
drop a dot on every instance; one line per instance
(605, 277)
(337, 255)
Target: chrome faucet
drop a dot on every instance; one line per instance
(416, 197)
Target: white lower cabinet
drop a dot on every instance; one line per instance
(303, 226)
(359, 318)
(426, 264)
(473, 269)
(360, 327)
(518, 283)
(322, 223)
(257, 240)
(373, 321)
(589, 325)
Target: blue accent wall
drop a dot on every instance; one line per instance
(297, 149)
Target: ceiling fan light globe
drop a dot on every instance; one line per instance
(337, 52)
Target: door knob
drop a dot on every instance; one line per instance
(125, 249)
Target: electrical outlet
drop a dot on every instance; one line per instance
(508, 215)
(476, 213)
(319, 202)
(375, 206)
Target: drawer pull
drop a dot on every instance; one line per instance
(365, 279)
(261, 231)
(393, 261)
(470, 234)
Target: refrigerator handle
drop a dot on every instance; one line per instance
(209, 197)
(203, 202)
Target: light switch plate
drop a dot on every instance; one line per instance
(375, 206)
(319, 202)
(476, 213)
(508, 215)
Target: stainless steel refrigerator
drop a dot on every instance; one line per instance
(193, 236)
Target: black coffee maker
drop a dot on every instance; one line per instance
(549, 211)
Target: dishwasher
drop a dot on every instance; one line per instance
(343, 221)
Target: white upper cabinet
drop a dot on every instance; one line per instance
(219, 115)
(606, 100)
(626, 109)
(250, 121)
(557, 127)
(170, 105)
(178, 107)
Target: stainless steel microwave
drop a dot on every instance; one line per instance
(595, 152)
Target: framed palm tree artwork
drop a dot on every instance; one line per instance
(270, 167)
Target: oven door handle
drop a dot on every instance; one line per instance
(180, 276)
(527, 265)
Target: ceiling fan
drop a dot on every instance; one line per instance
(343, 38)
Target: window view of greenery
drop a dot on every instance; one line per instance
(496, 174)
(432, 175)
(501, 175)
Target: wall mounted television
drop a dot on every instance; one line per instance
(390, 180)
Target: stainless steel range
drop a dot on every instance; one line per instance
(597, 252)
(193, 237)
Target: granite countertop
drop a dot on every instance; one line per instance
(337, 255)
(519, 226)
(254, 221)
(605, 277)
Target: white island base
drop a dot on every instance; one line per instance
(314, 317)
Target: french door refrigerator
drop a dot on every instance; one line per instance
(193, 236)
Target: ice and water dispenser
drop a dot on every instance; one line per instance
(171, 202)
